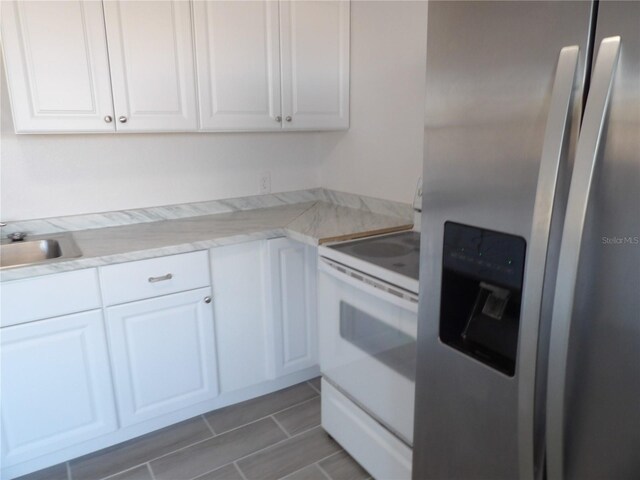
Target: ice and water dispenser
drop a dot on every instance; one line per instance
(482, 273)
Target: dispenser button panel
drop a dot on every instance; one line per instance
(484, 254)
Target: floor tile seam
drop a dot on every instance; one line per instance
(327, 457)
(219, 435)
(238, 470)
(296, 405)
(212, 435)
(306, 430)
(329, 477)
(148, 464)
(316, 463)
(337, 453)
(232, 464)
(124, 471)
(312, 386)
(239, 459)
(280, 425)
(200, 441)
(267, 415)
(322, 470)
(153, 459)
(206, 422)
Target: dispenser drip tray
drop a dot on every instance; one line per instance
(496, 302)
(489, 331)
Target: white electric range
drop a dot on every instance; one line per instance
(367, 315)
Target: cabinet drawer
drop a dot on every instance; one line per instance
(131, 281)
(49, 296)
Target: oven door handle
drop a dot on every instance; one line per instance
(370, 285)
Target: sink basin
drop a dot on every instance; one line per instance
(38, 250)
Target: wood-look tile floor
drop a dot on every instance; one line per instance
(276, 436)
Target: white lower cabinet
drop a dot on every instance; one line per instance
(243, 344)
(158, 356)
(265, 310)
(56, 385)
(292, 298)
(162, 354)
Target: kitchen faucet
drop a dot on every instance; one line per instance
(15, 236)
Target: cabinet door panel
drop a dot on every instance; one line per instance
(57, 67)
(151, 55)
(163, 354)
(56, 386)
(241, 330)
(237, 47)
(293, 297)
(315, 64)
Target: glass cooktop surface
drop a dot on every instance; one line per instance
(399, 252)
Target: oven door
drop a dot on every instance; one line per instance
(368, 344)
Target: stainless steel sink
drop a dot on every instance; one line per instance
(38, 250)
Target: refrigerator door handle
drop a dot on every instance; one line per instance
(556, 132)
(579, 190)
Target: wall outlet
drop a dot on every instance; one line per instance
(265, 183)
(417, 199)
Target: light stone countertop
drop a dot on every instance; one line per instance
(309, 222)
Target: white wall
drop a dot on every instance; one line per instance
(54, 175)
(380, 155)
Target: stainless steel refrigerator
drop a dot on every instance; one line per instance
(529, 315)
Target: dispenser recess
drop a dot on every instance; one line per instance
(482, 273)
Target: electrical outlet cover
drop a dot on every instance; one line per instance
(265, 183)
(417, 200)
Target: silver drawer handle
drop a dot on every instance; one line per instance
(168, 276)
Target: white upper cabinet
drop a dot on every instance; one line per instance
(238, 57)
(269, 65)
(315, 64)
(152, 69)
(177, 66)
(63, 78)
(55, 55)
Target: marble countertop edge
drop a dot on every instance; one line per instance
(311, 223)
(79, 263)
